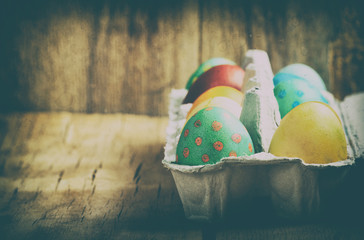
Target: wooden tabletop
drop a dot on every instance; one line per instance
(99, 176)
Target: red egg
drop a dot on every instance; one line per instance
(222, 75)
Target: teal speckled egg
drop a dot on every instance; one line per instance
(300, 71)
(211, 134)
(212, 62)
(291, 93)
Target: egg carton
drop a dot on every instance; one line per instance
(292, 188)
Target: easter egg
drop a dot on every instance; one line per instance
(293, 92)
(220, 91)
(281, 76)
(212, 62)
(211, 134)
(300, 71)
(313, 132)
(223, 102)
(222, 75)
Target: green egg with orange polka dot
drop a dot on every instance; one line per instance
(210, 135)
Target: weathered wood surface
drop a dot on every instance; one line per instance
(89, 176)
(125, 56)
(99, 176)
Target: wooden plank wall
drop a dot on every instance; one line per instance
(126, 56)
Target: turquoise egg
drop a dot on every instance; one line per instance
(211, 134)
(280, 77)
(300, 71)
(293, 92)
(212, 62)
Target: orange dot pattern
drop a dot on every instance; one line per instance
(250, 147)
(198, 123)
(186, 152)
(233, 154)
(212, 135)
(187, 131)
(198, 141)
(236, 137)
(205, 158)
(216, 126)
(218, 145)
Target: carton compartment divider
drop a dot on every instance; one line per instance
(352, 112)
(293, 189)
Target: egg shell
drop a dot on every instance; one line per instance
(222, 75)
(282, 76)
(301, 71)
(223, 102)
(210, 135)
(289, 188)
(212, 62)
(220, 91)
(293, 92)
(312, 132)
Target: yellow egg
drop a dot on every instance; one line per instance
(222, 91)
(311, 131)
(223, 102)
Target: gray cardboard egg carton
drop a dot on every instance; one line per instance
(293, 188)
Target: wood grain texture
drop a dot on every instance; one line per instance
(126, 56)
(99, 176)
(140, 53)
(65, 176)
(86, 56)
(223, 30)
(53, 62)
(346, 53)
